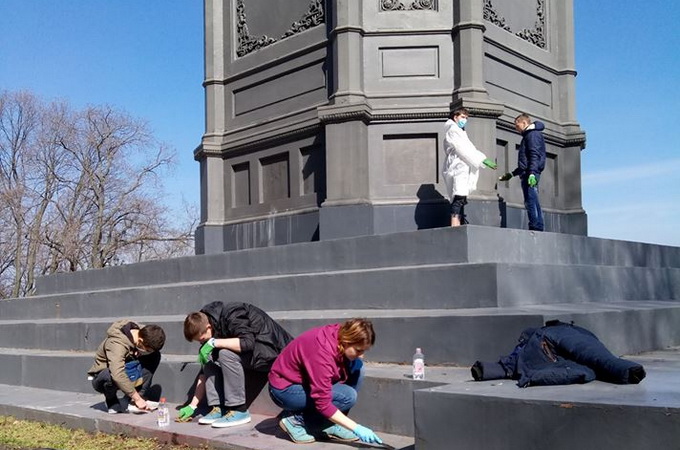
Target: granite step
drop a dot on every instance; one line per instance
(448, 336)
(431, 286)
(468, 244)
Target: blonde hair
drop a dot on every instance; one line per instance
(356, 332)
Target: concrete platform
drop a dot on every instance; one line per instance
(498, 415)
(86, 411)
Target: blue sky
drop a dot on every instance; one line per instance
(146, 57)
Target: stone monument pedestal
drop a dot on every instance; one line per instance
(325, 118)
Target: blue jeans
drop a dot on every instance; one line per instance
(532, 204)
(296, 401)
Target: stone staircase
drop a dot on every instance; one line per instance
(461, 294)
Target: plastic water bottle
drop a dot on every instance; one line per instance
(163, 413)
(418, 365)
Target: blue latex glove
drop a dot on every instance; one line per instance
(490, 164)
(367, 435)
(505, 177)
(206, 350)
(532, 181)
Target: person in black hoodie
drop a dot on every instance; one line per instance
(530, 164)
(234, 337)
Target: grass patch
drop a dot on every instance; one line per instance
(26, 434)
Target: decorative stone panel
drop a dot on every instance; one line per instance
(535, 35)
(247, 43)
(413, 5)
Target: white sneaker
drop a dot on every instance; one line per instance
(151, 406)
(115, 409)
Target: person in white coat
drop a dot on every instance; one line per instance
(461, 165)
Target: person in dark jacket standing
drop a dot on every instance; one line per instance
(530, 164)
(234, 337)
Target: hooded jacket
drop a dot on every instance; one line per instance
(114, 352)
(261, 338)
(462, 162)
(531, 153)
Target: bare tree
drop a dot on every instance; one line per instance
(79, 190)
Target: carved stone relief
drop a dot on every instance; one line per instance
(247, 43)
(535, 35)
(398, 5)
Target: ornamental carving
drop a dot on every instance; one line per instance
(248, 43)
(398, 5)
(535, 35)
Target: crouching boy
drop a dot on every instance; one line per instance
(126, 360)
(234, 337)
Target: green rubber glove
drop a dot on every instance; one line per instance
(490, 164)
(186, 413)
(206, 350)
(532, 181)
(505, 177)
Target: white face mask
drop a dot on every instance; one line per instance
(461, 123)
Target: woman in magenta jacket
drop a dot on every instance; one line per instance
(315, 381)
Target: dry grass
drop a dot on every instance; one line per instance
(24, 434)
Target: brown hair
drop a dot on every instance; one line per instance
(153, 337)
(459, 111)
(195, 324)
(356, 332)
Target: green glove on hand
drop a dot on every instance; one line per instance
(505, 177)
(186, 413)
(490, 164)
(206, 350)
(532, 181)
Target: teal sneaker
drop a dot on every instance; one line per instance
(296, 430)
(340, 433)
(213, 415)
(231, 419)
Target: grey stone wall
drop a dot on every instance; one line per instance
(324, 119)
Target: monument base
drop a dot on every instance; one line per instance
(333, 222)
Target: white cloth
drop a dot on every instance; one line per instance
(462, 161)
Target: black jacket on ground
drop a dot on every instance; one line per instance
(559, 353)
(261, 338)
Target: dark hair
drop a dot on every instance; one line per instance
(153, 337)
(195, 324)
(459, 111)
(356, 332)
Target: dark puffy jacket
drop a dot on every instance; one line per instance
(531, 153)
(559, 353)
(261, 338)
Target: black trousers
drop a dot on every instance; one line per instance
(104, 384)
(458, 205)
